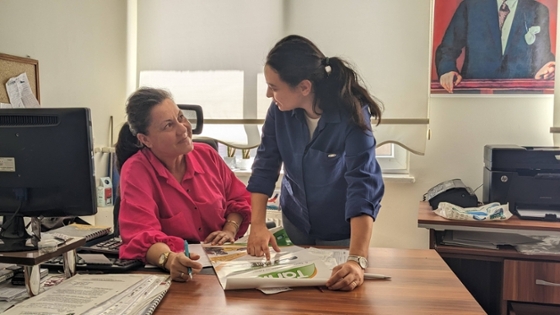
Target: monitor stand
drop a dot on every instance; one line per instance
(14, 236)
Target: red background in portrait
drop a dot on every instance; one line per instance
(443, 12)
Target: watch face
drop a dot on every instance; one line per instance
(363, 262)
(163, 259)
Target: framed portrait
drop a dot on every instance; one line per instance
(493, 46)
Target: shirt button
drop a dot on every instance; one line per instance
(188, 190)
(195, 208)
(199, 229)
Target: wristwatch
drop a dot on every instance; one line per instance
(163, 260)
(362, 261)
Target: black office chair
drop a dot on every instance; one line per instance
(195, 115)
(116, 209)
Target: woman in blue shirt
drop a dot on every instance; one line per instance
(319, 126)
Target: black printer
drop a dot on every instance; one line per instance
(528, 178)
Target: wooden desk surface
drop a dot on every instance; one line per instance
(428, 219)
(421, 284)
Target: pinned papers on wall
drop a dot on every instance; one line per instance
(19, 92)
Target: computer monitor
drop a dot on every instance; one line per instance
(46, 169)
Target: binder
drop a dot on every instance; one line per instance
(148, 305)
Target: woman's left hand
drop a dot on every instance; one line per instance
(346, 277)
(220, 237)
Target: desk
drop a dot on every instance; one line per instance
(421, 284)
(498, 279)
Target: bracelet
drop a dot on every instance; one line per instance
(234, 223)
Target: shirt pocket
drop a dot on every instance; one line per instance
(180, 221)
(323, 168)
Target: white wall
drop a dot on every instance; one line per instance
(81, 50)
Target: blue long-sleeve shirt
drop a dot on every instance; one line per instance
(328, 179)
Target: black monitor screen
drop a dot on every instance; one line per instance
(46, 165)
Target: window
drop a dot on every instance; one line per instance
(392, 158)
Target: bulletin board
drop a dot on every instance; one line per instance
(12, 66)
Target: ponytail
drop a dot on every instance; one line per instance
(127, 145)
(341, 85)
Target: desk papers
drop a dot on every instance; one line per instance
(548, 245)
(95, 294)
(487, 240)
(292, 267)
(19, 92)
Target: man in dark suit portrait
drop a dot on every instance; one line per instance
(503, 39)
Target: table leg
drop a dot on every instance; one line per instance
(69, 263)
(32, 275)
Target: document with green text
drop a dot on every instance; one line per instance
(292, 267)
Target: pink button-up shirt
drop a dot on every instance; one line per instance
(155, 207)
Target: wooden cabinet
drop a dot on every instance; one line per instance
(531, 281)
(502, 281)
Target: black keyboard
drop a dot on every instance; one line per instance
(107, 246)
(117, 266)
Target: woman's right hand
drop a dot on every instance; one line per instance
(178, 264)
(259, 238)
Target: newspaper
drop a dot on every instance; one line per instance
(292, 267)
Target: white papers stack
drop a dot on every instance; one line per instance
(487, 240)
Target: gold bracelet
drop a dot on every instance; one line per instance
(234, 223)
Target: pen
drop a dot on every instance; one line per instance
(188, 255)
(375, 276)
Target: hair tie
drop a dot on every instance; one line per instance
(327, 64)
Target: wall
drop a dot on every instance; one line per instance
(81, 49)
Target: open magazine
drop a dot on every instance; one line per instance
(292, 267)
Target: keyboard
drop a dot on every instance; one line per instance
(107, 246)
(117, 266)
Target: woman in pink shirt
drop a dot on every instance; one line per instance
(171, 188)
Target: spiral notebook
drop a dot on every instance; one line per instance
(86, 231)
(148, 305)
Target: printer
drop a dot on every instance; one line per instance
(528, 178)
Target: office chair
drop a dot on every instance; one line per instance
(195, 115)
(116, 209)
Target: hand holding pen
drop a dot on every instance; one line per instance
(183, 266)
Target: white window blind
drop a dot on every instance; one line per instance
(219, 92)
(375, 35)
